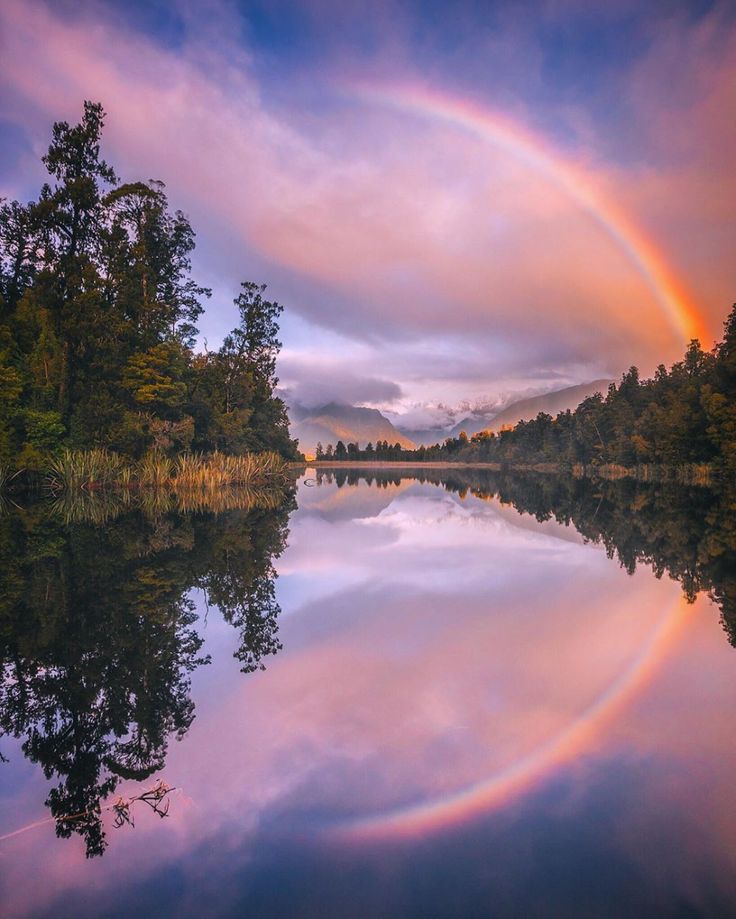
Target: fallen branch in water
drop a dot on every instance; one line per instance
(156, 798)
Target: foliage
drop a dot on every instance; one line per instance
(682, 417)
(98, 313)
(84, 469)
(98, 632)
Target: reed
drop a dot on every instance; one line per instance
(88, 469)
(155, 469)
(220, 470)
(99, 468)
(127, 478)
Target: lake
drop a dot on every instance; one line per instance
(395, 693)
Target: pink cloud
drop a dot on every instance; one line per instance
(410, 226)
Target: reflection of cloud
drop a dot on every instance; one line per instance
(378, 674)
(429, 642)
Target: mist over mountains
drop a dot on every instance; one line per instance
(329, 423)
(326, 424)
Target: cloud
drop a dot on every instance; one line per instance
(344, 388)
(425, 416)
(441, 260)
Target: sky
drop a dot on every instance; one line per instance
(456, 203)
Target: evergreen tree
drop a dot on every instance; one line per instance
(98, 314)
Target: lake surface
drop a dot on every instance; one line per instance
(479, 699)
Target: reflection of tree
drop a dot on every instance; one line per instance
(239, 579)
(98, 639)
(686, 532)
(380, 479)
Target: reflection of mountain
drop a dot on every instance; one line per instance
(522, 410)
(687, 532)
(338, 503)
(348, 423)
(98, 638)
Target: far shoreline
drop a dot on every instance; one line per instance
(699, 474)
(383, 464)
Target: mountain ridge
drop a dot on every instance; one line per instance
(326, 424)
(557, 400)
(329, 423)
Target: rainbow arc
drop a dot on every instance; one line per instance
(680, 311)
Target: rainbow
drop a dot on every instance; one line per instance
(428, 816)
(684, 318)
(681, 313)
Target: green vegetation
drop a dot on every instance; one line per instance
(683, 418)
(98, 314)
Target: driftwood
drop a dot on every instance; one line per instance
(157, 798)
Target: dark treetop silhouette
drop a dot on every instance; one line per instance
(98, 638)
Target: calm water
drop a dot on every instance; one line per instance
(468, 707)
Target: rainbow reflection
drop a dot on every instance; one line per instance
(429, 816)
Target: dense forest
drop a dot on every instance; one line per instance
(682, 417)
(98, 323)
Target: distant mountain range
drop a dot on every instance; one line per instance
(348, 423)
(524, 409)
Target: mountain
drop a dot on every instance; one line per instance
(352, 424)
(348, 423)
(426, 438)
(552, 402)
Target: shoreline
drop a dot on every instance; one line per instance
(691, 474)
(383, 464)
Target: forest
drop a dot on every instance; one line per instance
(98, 325)
(683, 417)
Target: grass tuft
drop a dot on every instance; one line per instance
(88, 469)
(92, 470)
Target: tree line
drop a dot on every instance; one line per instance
(382, 452)
(98, 323)
(682, 416)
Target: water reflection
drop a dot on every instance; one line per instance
(471, 706)
(687, 532)
(99, 633)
